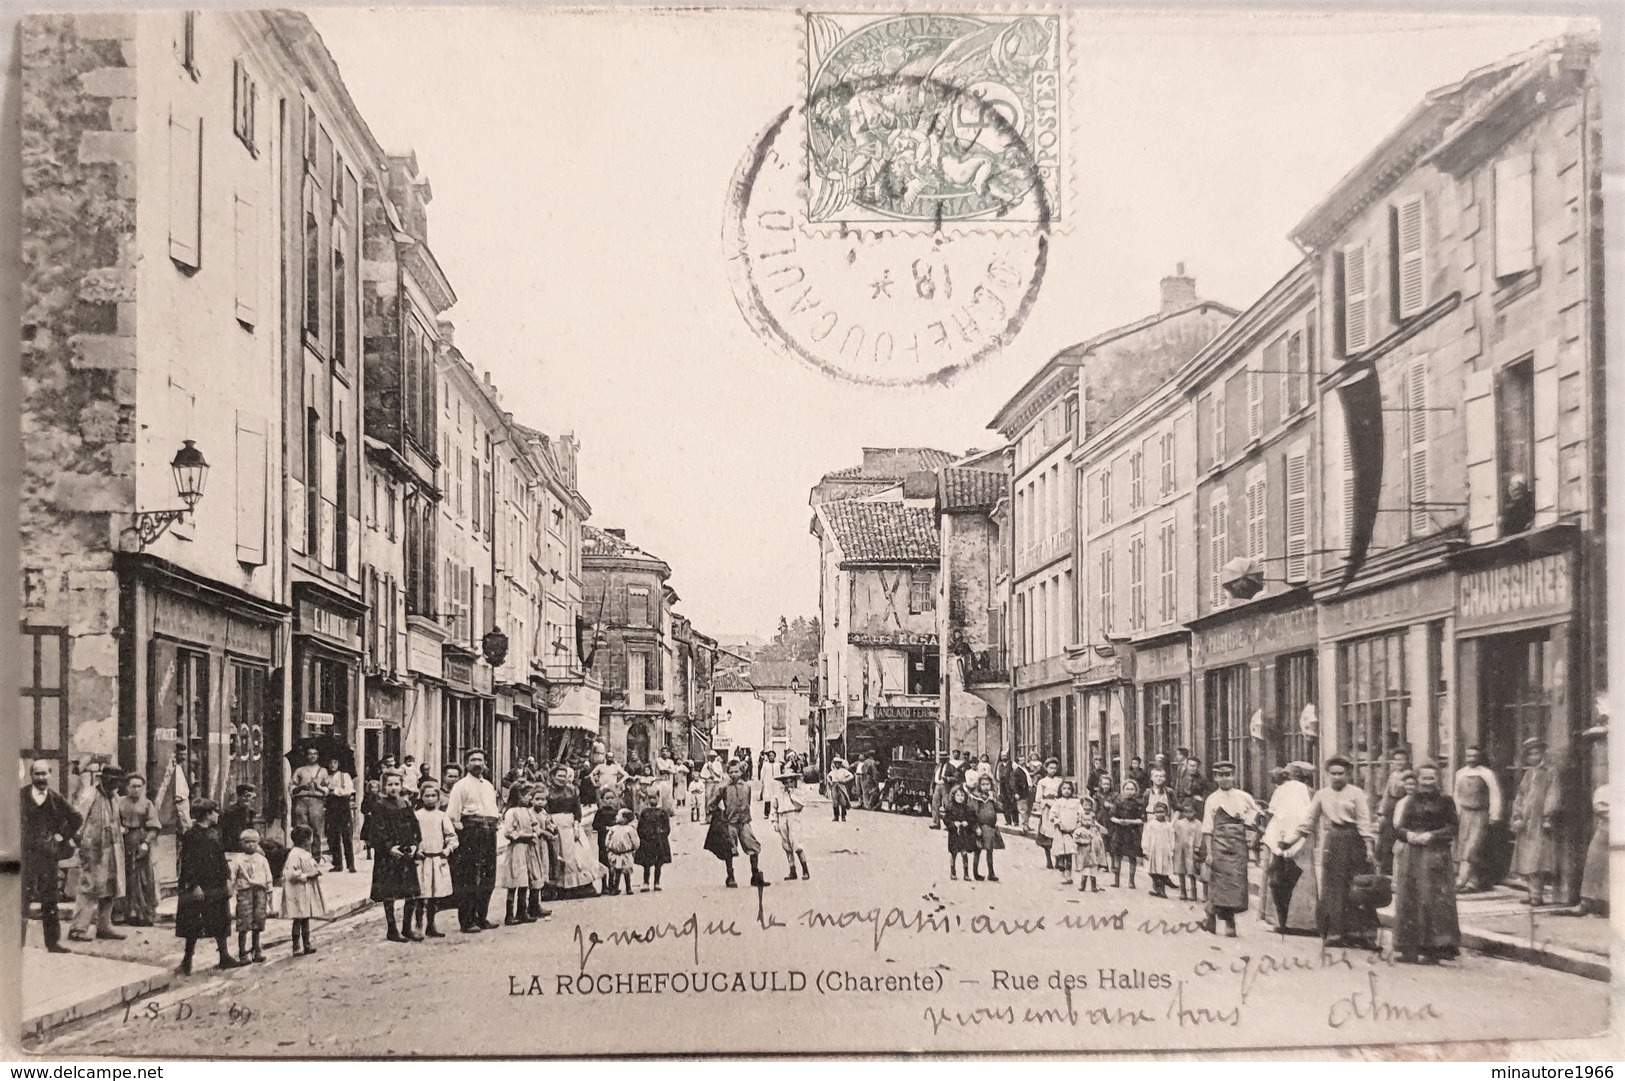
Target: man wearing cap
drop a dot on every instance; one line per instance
(1346, 847)
(1225, 818)
(472, 808)
(948, 773)
(49, 823)
(309, 789)
(101, 860)
(1534, 820)
(731, 806)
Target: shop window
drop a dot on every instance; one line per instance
(1069, 760)
(1514, 688)
(1228, 710)
(248, 762)
(43, 702)
(327, 697)
(1296, 681)
(1162, 717)
(1438, 691)
(1373, 702)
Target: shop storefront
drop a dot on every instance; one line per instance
(572, 718)
(1257, 683)
(1383, 666)
(1515, 639)
(891, 733)
(381, 725)
(526, 739)
(1103, 701)
(467, 718)
(1162, 673)
(326, 664)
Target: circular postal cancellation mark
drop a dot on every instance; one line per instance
(894, 228)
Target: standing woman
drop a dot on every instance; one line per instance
(768, 786)
(1128, 822)
(203, 908)
(1425, 924)
(577, 867)
(1048, 788)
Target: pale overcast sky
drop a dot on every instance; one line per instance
(580, 164)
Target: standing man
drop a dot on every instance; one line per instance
(1346, 847)
(609, 777)
(1534, 820)
(713, 775)
(309, 800)
(732, 802)
(1225, 818)
(340, 813)
(864, 777)
(473, 811)
(101, 860)
(1393, 790)
(1021, 794)
(241, 815)
(945, 777)
(1477, 793)
(49, 824)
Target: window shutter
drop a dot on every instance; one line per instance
(1347, 486)
(1355, 315)
(1297, 517)
(1219, 410)
(1514, 215)
(1257, 517)
(1216, 552)
(185, 190)
(1416, 420)
(251, 508)
(1292, 384)
(1408, 255)
(247, 233)
(329, 490)
(1255, 403)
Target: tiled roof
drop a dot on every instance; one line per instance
(889, 531)
(779, 673)
(922, 458)
(597, 542)
(731, 679)
(967, 489)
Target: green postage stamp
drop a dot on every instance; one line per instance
(930, 119)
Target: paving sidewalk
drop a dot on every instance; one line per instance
(1497, 923)
(103, 974)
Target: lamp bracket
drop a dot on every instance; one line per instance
(149, 525)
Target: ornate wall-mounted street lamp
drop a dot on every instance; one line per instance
(191, 470)
(495, 647)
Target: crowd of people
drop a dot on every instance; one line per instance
(586, 826)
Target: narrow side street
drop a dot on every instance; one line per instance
(906, 959)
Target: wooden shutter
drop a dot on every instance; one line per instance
(1219, 409)
(1258, 516)
(1255, 403)
(185, 190)
(1416, 423)
(1356, 316)
(1347, 484)
(245, 227)
(327, 527)
(1292, 383)
(1297, 516)
(251, 508)
(1483, 495)
(1514, 215)
(1217, 552)
(1409, 283)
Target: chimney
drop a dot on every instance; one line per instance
(919, 484)
(618, 534)
(1178, 291)
(448, 336)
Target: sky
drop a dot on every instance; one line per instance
(580, 162)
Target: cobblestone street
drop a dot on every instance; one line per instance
(880, 943)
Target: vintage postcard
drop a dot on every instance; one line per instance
(963, 530)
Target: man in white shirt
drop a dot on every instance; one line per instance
(610, 777)
(340, 817)
(1225, 818)
(472, 808)
(1478, 804)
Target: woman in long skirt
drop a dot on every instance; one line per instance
(577, 868)
(1127, 824)
(1425, 924)
(394, 835)
(1047, 789)
(985, 807)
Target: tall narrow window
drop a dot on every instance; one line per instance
(1218, 551)
(922, 595)
(1166, 542)
(1353, 320)
(1297, 516)
(1295, 383)
(245, 103)
(1106, 495)
(313, 276)
(1136, 581)
(1108, 606)
(1515, 438)
(341, 299)
(1407, 279)
(341, 503)
(1416, 424)
(1514, 215)
(246, 234)
(1136, 479)
(1255, 403)
(313, 482)
(1167, 442)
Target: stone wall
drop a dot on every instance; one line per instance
(78, 347)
